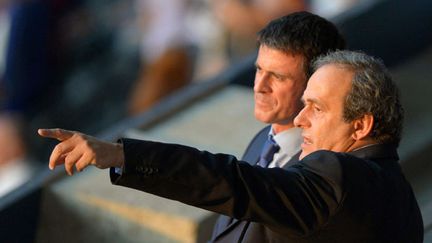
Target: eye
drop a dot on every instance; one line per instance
(317, 109)
(279, 77)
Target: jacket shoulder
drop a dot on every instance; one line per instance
(253, 150)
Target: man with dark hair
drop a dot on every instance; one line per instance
(287, 46)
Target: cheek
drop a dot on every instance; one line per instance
(321, 129)
(293, 96)
(288, 100)
(338, 136)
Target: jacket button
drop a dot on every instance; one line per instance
(140, 169)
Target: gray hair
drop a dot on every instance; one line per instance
(373, 92)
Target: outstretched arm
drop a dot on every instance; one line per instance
(80, 150)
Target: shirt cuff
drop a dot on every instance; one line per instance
(118, 170)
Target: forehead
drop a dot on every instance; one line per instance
(330, 82)
(279, 58)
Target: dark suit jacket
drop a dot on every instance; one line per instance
(326, 197)
(228, 229)
(254, 148)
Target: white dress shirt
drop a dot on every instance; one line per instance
(289, 142)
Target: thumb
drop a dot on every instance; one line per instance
(57, 133)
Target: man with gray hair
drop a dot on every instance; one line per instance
(352, 107)
(347, 187)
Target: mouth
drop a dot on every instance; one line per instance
(306, 141)
(306, 146)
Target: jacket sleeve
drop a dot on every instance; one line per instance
(295, 200)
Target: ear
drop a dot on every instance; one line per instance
(363, 126)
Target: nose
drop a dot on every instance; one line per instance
(301, 120)
(261, 82)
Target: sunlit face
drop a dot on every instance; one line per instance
(322, 116)
(279, 83)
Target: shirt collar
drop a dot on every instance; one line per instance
(288, 140)
(376, 151)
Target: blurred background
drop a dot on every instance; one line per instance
(173, 71)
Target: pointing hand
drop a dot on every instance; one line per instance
(80, 150)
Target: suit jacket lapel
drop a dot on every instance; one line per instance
(253, 151)
(294, 160)
(250, 156)
(231, 225)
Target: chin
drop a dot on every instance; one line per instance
(260, 116)
(264, 121)
(302, 155)
(305, 153)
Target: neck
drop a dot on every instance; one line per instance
(277, 128)
(359, 144)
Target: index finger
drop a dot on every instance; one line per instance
(57, 133)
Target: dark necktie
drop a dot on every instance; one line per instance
(269, 149)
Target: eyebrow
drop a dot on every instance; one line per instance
(285, 75)
(312, 100)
